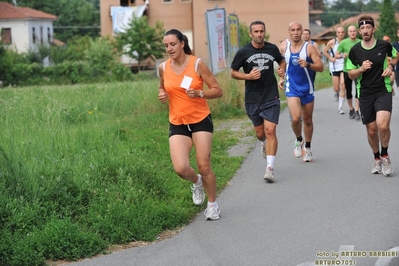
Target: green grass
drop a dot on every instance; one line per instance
(87, 166)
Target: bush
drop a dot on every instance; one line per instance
(26, 74)
(69, 72)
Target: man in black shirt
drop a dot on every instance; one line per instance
(262, 100)
(368, 63)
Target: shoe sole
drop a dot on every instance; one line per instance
(308, 161)
(385, 174)
(213, 219)
(210, 219)
(269, 179)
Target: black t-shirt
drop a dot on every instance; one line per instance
(248, 57)
(371, 82)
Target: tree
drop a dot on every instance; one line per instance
(343, 9)
(140, 41)
(388, 23)
(244, 34)
(75, 17)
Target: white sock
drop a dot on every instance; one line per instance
(213, 204)
(199, 181)
(270, 160)
(341, 102)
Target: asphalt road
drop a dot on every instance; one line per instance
(332, 210)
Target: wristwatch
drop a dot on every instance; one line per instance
(393, 66)
(307, 65)
(201, 94)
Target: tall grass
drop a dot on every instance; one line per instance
(87, 166)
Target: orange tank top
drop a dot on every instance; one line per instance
(182, 109)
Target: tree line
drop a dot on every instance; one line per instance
(339, 10)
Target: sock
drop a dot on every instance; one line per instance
(270, 160)
(199, 181)
(213, 204)
(341, 102)
(307, 145)
(299, 138)
(377, 155)
(384, 151)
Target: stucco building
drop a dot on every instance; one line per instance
(24, 29)
(189, 16)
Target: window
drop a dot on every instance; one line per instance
(49, 35)
(167, 1)
(41, 34)
(185, 1)
(127, 2)
(34, 37)
(6, 35)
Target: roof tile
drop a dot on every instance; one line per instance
(8, 11)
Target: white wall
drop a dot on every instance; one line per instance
(22, 33)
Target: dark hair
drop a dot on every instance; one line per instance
(366, 20)
(256, 22)
(182, 38)
(307, 30)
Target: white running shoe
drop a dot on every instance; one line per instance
(298, 151)
(377, 169)
(308, 155)
(387, 167)
(269, 175)
(341, 112)
(212, 213)
(198, 194)
(263, 149)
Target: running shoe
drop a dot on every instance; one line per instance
(377, 169)
(263, 149)
(387, 167)
(357, 115)
(298, 151)
(336, 96)
(341, 112)
(308, 155)
(198, 194)
(352, 114)
(212, 213)
(269, 174)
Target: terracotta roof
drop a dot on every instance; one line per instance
(8, 11)
(58, 42)
(330, 32)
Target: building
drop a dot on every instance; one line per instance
(24, 29)
(189, 16)
(329, 33)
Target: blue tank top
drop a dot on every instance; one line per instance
(298, 80)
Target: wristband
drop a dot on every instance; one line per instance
(307, 65)
(393, 66)
(201, 94)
